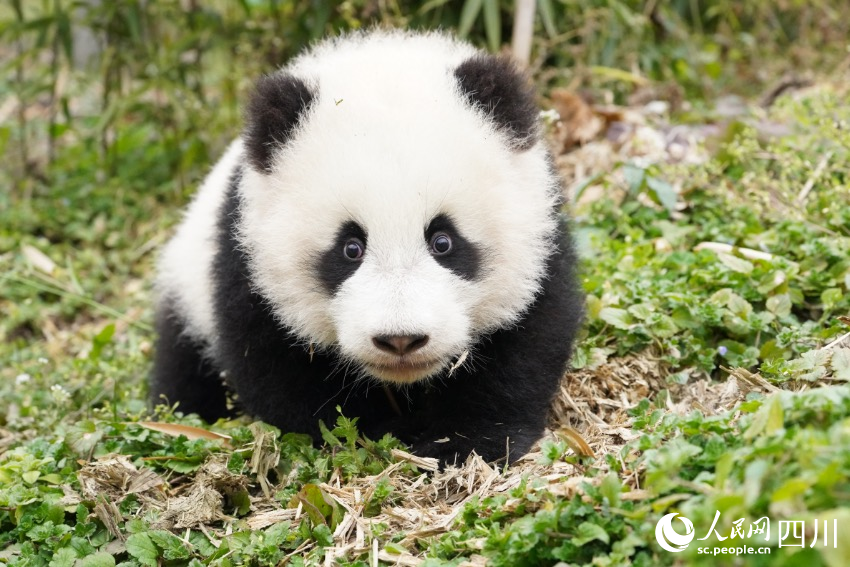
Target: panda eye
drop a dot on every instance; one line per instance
(440, 244)
(353, 249)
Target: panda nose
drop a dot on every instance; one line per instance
(400, 344)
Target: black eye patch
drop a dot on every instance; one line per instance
(464, 258)
(334, 266)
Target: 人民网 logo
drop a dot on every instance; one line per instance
(670, 539)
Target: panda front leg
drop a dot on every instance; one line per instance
(497, 403)
(181, 374)
(495, 440)
(497, 408)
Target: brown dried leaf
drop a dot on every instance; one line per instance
(191, 433)
(575, 441)
(579, 124)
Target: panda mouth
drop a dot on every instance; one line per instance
(404, 371)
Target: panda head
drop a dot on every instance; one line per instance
(397, 204)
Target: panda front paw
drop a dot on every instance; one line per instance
(455, 449)
(441, 450)
(495, 443)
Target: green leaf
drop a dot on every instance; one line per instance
(721, 296)
(663, 192)
(739, 306)
(493, 24)
(31, 476)
(468, 15)
(547, 15)
(634, 176)
(432, 5)
(791, 488)
(101, 559)
(768, 419)
(664, 327)
(83, 436)
(64, 33)
(171, 545)
(184, 465)
(615, 317)
(754, 474)
(323, 535)
(142, 548)
(841, 363)
(775, 415)
(276, 535)
(395, 549)
(831, 297)
(201, 544)
(329, 437)
(103, 338)
(611, 487)
(735, 264)
(722, 469)
(640, 311)
(241, 501)
(64, 557)
(587, 532)
(320, 508)
(5, 134)
(779, 305)
(593, 305)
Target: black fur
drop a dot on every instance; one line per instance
(505, 391)
(495, 404)
(497, 86)
(334, 268)
(181, 374)
(274, 109)
(464, 259)
(274, 377)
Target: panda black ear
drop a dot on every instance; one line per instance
(504, 92)
(274, 109)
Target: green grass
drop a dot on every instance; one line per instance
(76, 395)
(77, 340)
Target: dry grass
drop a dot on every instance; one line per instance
(590, 412)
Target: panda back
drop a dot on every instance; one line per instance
(185, 279)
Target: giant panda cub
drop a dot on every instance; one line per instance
(384, 237)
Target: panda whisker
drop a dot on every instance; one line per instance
(405, 390)
(343, 366)
(326, 402)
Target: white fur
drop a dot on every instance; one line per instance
(389, 143)
(184, 268)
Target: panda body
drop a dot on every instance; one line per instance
(384, 237)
